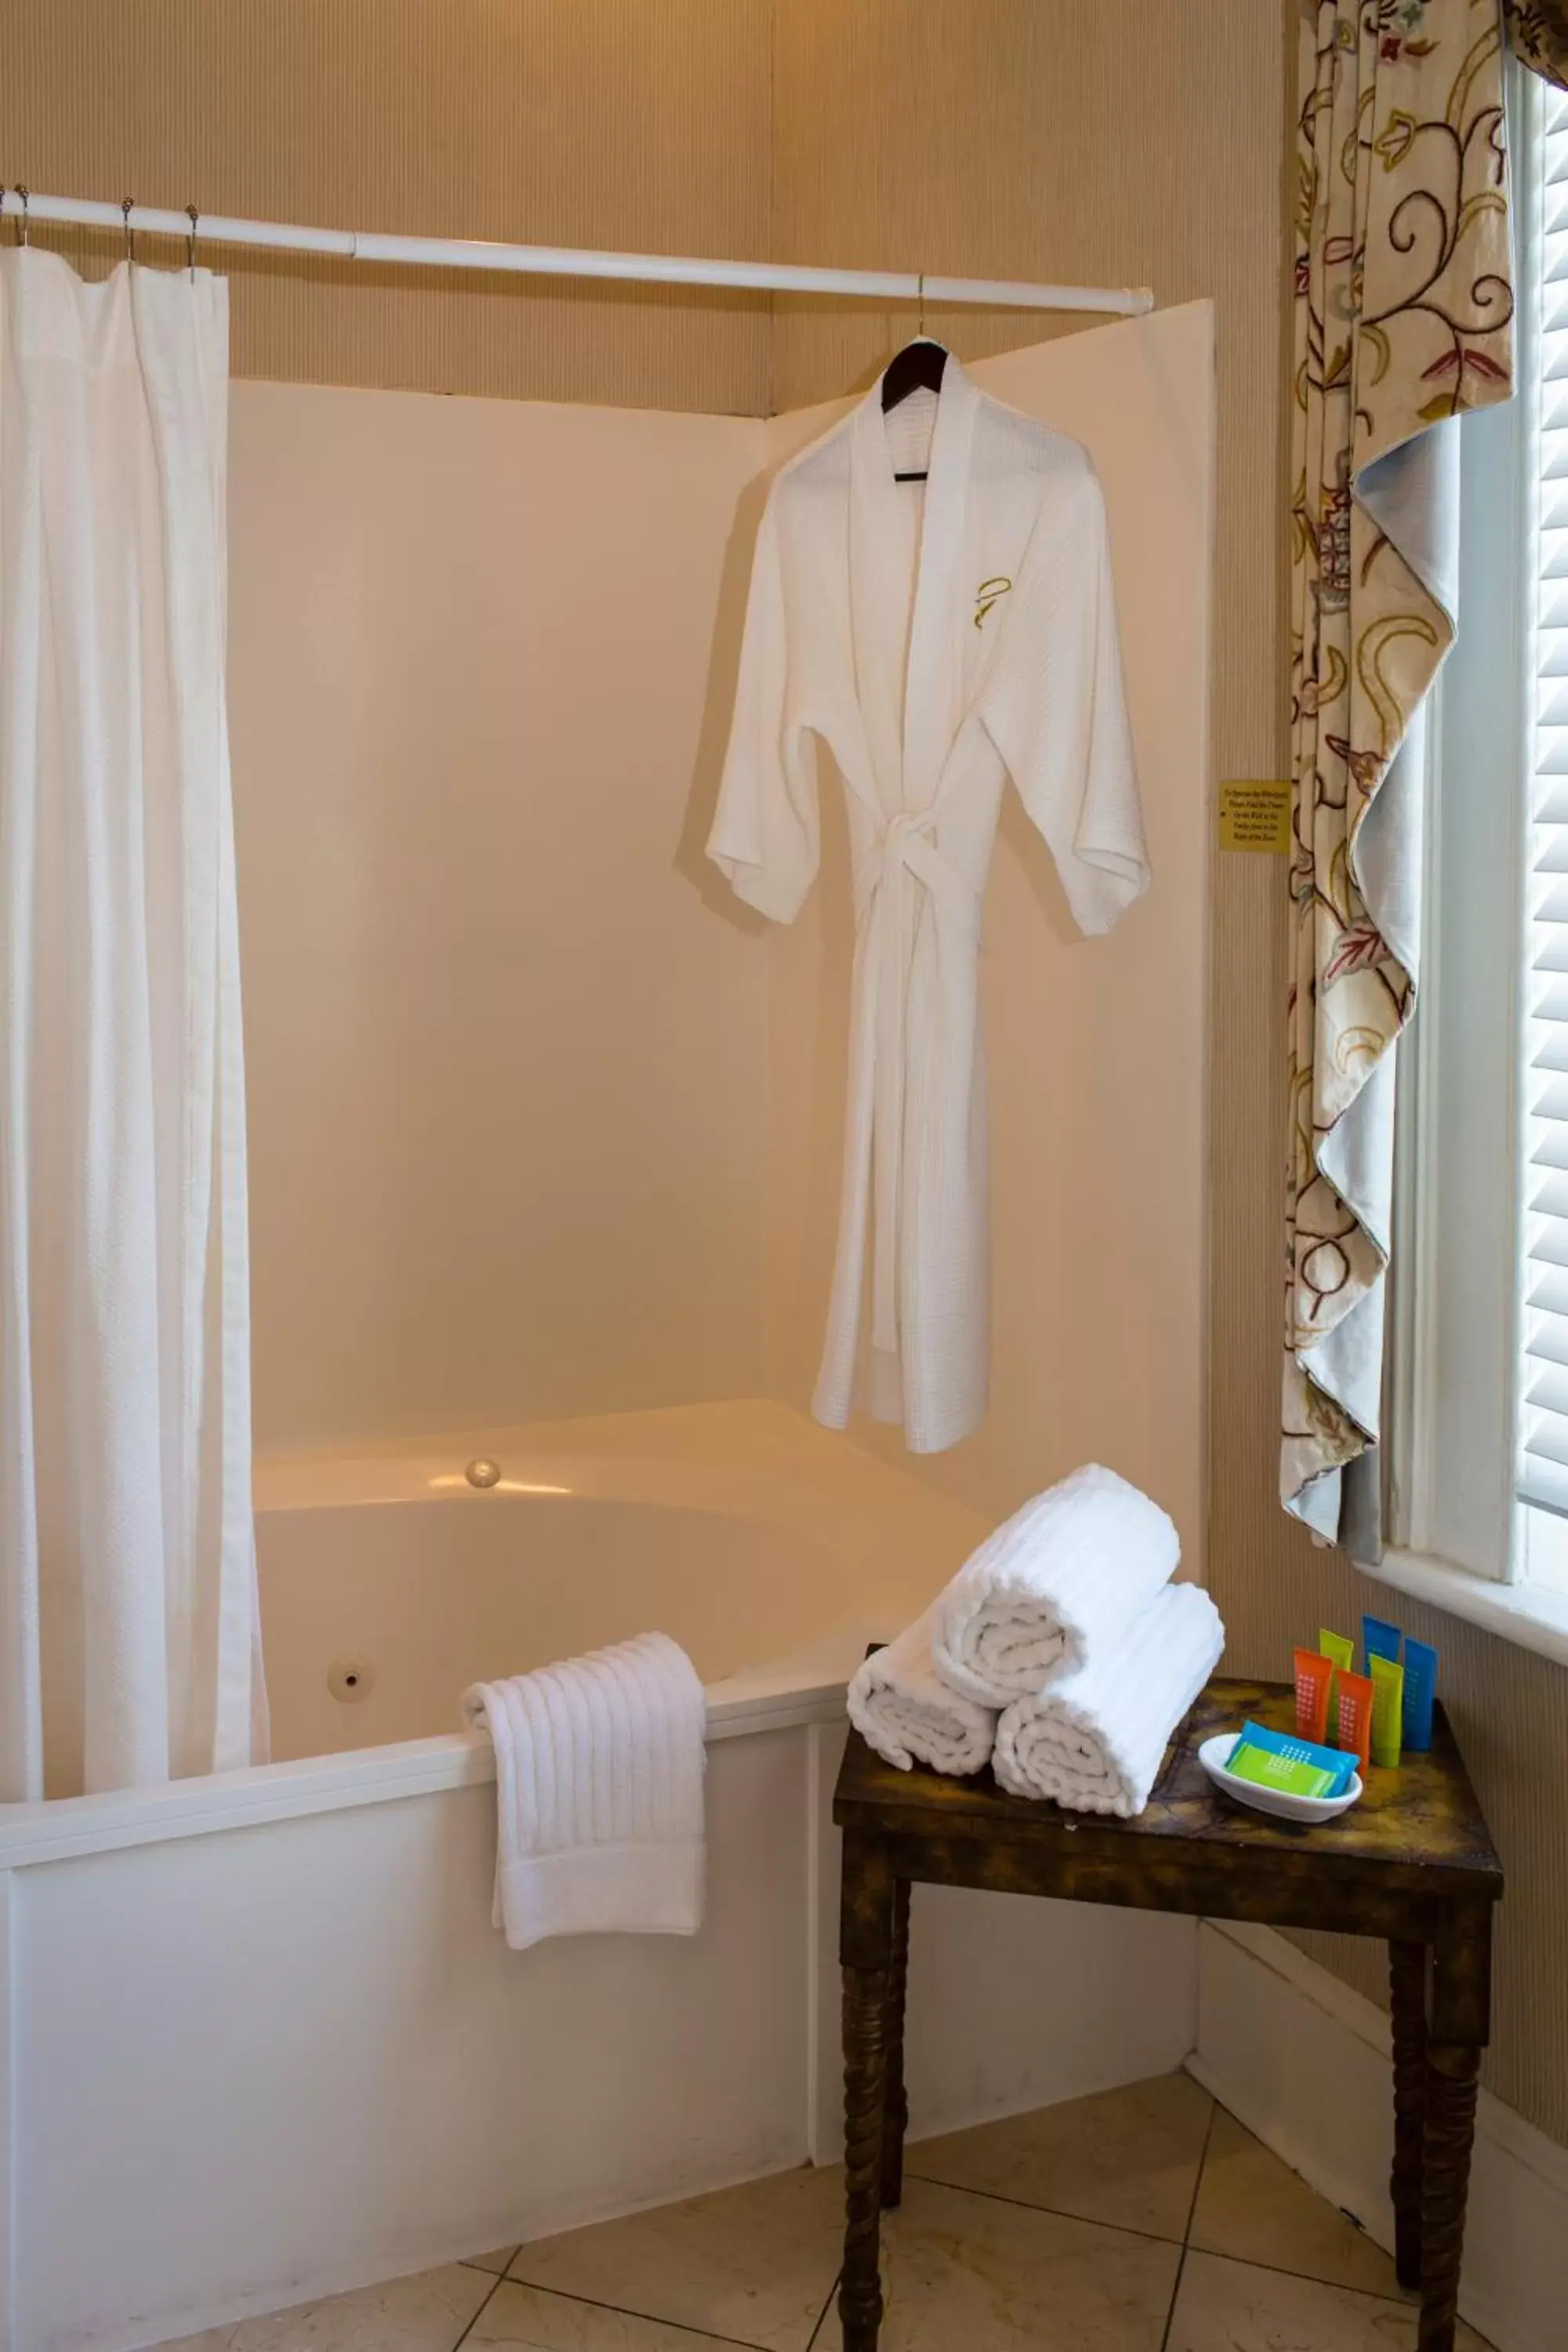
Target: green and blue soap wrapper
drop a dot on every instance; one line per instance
(1277, 1760)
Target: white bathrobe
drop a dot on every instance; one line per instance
(937, 640)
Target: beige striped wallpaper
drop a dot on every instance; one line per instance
(595, 122)
(1092, 139)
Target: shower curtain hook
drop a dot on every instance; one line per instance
(193, 216)
(25, 225)
(126, 202)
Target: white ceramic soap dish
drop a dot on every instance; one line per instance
(1213, 1756)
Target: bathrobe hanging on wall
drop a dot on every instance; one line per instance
(935, 653)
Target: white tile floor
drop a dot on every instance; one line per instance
(1145, 2219)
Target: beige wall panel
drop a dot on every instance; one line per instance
(502, 1060)
(639, 123)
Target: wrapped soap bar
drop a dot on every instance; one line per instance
(1274, 1759)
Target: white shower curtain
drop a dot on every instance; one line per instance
(128, 1623)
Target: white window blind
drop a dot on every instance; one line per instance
(1544, 1473)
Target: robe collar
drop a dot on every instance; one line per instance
(910, 716)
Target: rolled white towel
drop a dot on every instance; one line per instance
(1055, 1584)
(1094, 1742)
(900, 1707)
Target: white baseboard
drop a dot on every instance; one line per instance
(1304, 2062)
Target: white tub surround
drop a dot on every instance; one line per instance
(450, 1225)
(405, 2089)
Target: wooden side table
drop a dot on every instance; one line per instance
(1414, 1864)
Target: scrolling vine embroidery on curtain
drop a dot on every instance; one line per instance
(1404, 311)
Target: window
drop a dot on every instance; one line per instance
(1544, 1302)
(1479, 1348)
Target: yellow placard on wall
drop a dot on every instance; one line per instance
(1256, 816)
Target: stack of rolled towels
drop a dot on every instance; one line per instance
(1061, 1654)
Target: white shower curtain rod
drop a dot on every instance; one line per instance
(568, 261)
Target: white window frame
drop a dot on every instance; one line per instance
(1460, 1538)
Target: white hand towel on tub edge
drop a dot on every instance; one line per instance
(1095, 1740)
(1052, 1586)
(900, 1706)
(599, 1812)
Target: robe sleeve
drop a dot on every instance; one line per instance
(1055, 709)
(765, 836)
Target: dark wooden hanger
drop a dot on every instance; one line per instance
(919, 367)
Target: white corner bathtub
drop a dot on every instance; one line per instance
(769, 1550)
(259, 2039)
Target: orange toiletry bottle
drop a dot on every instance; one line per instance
(1313, 1676)
(1353, 1726)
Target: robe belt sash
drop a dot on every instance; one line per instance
(903, 857)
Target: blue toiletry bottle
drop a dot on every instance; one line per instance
(1420, 1690)
(1379, 1640)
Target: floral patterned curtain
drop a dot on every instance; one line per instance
(1404, 311)
(1537, 36)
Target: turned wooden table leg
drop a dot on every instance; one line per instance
(895, 2104)
(1407, 1990)
(1459, 2031)
(866, 1952)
